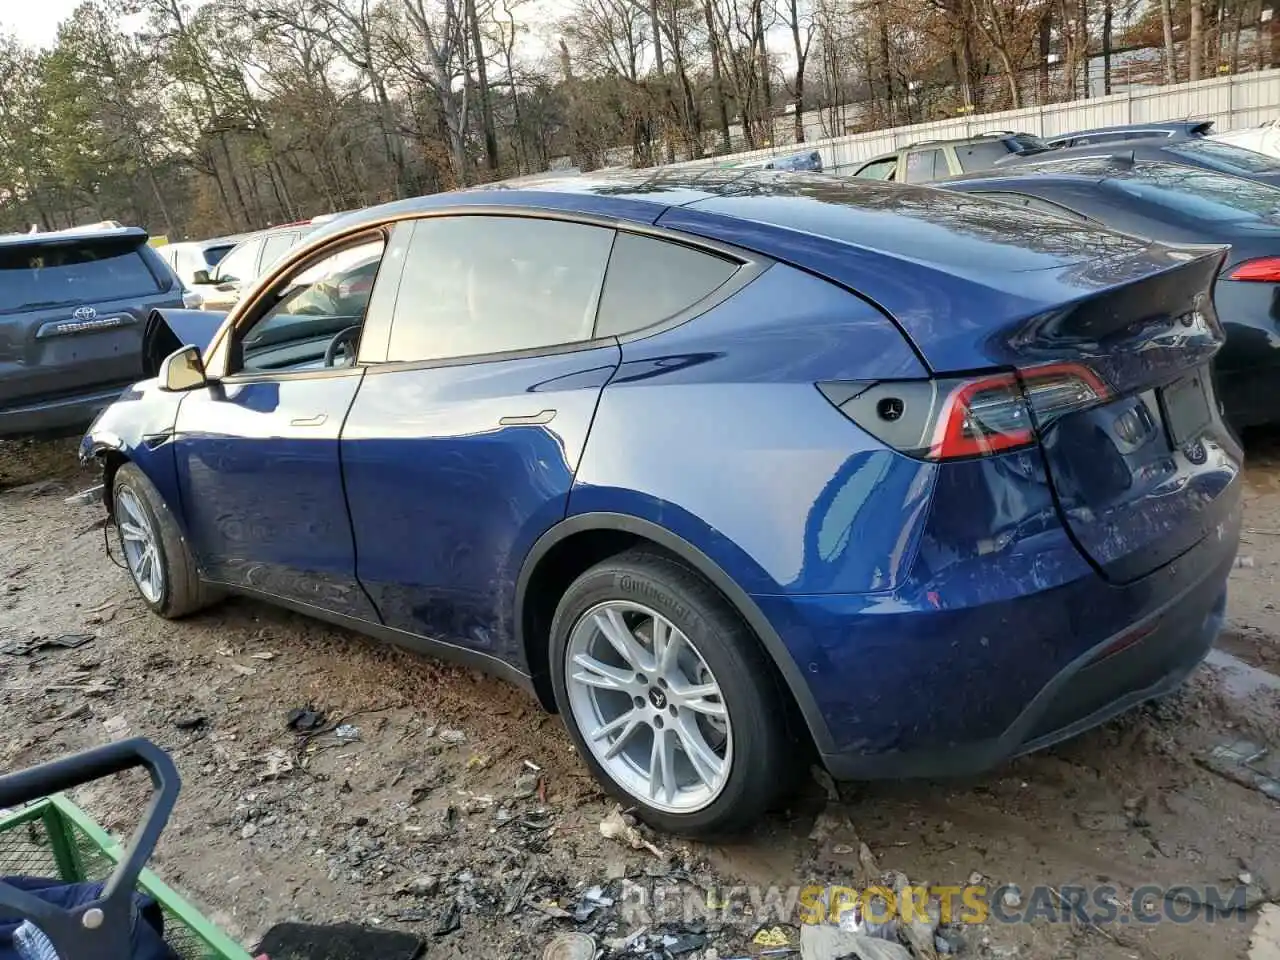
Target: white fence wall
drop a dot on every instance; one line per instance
(1231, 102)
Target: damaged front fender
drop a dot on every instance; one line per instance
(138, 427)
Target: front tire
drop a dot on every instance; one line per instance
(156, 554)
(668, 696)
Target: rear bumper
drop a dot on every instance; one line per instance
(1147, 660)
(61, 416)
(903, 688)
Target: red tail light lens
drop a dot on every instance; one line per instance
(1263, 270)
(971, 417)
(982, 417)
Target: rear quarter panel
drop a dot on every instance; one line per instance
(716, 431)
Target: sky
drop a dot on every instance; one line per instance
(34, 23)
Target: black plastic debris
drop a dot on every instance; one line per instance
(66, 641)
(344, 941)
(305, 720)
(450, 920)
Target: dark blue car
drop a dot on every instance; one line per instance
(721, 466)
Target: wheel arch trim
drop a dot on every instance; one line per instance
(738, 598)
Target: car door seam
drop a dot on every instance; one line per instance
(346, 499)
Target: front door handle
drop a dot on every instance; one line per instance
(545, 416)
(316, 421)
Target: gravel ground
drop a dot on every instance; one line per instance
(459, 812)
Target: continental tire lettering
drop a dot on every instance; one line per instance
(649, 591)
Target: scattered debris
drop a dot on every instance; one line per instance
(570, 946)
(241, 669)
(950, 940)
(773, 936)
(452, 736)
(919, 931)
(832, 943)
(248, 831)
(1264, 941)
(615, 827)
(450, 920)
(117, 727)
(190, 723)
(263, 655)
(85, 498)
(421, 887)
(305, 720)
(526, 786)
(65, 641)
(277, 763)
(592, 899)
(1011, 896)
(347, 733)
(1248, 764)
(478, 761)
(825, 781)
(532, 766)
(1244, 562)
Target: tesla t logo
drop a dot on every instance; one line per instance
(84, 313)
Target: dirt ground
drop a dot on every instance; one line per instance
(435, 817)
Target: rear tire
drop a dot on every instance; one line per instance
(156, 554)
(709, 717)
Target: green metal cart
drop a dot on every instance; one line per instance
(47, 835)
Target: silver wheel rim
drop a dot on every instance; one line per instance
(648, 706)
(139, 542)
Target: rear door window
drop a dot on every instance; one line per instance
(651, 280)
(879, 169)
(213, 255)
(241, 263)
(275, 247)
(980, 156)
(51, 274)
(924, 166)
(475, 285)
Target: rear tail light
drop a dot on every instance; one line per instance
(1264, 269)
(957, 418)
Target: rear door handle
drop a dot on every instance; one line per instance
(545, 416)
(316, 421)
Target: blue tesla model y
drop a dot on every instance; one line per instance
(720, 466)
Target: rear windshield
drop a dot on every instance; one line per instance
(1201, 194)
(1025, 143)
(212, 255)
(1224, 156)
(51, 274)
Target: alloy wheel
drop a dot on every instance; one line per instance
(138, 537)
(648, 706)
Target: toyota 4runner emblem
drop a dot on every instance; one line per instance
(85, 313)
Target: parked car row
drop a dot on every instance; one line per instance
(74, 306)
(730, 469)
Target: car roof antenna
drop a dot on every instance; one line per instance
(1124, 159)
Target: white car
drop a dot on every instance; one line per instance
(1264, 138)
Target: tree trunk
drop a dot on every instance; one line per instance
(482, 83)
(1106, 46)
(1195, 42)
(661, 64)
(717, 82)
(1170, 63)
(1046, 26)
(886, 71)
(766, 94)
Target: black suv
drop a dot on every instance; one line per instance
(932, 160)
(73, 305)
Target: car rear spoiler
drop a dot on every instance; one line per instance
(170, 329)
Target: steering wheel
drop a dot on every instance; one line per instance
(344, 343)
